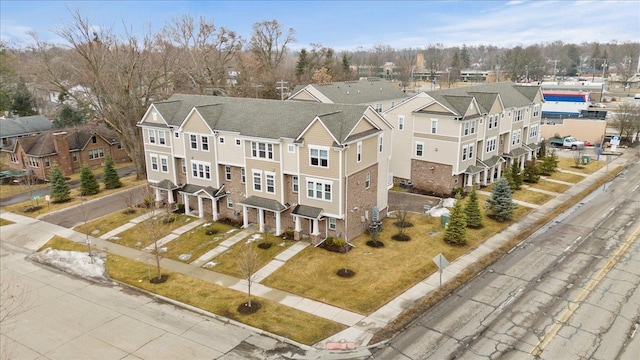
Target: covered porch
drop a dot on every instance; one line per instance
(164, 193)
(517, 155)
(206, 198)
(309, 217)
(492, 169)
(262, 205)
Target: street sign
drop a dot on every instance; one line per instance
(442, 263)
(47, 198)
(35, 197)
(615, 140)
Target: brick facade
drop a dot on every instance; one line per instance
(432, 176)
(360, 201)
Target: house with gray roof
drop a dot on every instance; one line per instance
(69, 148)
(463, 137)
(13, 128)
(378, 93)
(317, 169)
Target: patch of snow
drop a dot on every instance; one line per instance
(217, 238)
(230, 231)
(253, 238)
(184, 257)
(163, 249)
(95, 232)
(115, 238)
(210, 264)
(75, 263)
(437, 212)
(449, 202)
(138, 244)
(206, 224)
(283, 244)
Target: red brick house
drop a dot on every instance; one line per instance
(70, 148)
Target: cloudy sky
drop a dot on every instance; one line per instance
(348, 25)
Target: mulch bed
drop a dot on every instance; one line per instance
(246, 310)
(345, 273)
(375, 243)
(334, 248)
(159, 280)
(402, 224)
(401, 237)
(264, 245)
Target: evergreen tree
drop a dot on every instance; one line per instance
(22, 103)
(88, 183)
(464, 57)
(472, 210)
(549, 163)
(506, 174)
(456, 232)
(69, 116)
(110, 175)
(58, 187)
(500, 203)
(516, 175)
(531, 172)
(302, 64)
(346, 68)
(542, 152)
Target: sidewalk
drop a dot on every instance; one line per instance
(360, 328)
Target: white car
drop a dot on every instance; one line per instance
(598, 105)
(636, 96)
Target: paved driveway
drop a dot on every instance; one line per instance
(413, 202)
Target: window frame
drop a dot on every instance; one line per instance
(332, 223)
(13, 158)
(238, 142)
(164, 163)
(295, 184)
(204, 143)
(359, 151)
(153, 157)
(400, 122)
(193, 141)
(243, 176)
(434, 126)
(291, 148)
(227, 172)
(256, 151)
(317, 189)
(162, 137)
(419, 149)
(151, 135)
(367, 180)
(256, 175)
(319, 156)
(200, 170)
(491, 144)
(380, 143)
(270, 182)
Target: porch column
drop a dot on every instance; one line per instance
(522, 163)
(261, 220)
(486, 174)
(245, 216)
(499, 170)
(478, 178)
(297, 222)
(185, 200)
(316, 225)
(468, 177)
(158, 194)
(200, 208)
(170, 196)
(214, 209)
(278, 225)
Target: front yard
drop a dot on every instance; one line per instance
(150, 230)
(191, 245)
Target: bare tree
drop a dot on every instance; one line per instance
(268, 45)
(627, 119)
(15, 299)
(120, 77)
(83, 212)
(248, 266)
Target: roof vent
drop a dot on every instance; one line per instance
(347, 93)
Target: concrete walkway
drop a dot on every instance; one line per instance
(360, 328)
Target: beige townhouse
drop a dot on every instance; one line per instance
(463, 137)
(378, 93)
(317, 169)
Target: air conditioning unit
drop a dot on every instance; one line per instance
(375, 214)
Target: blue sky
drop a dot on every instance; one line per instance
(348, 25)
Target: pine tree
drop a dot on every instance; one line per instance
(88, 183)
(506, 174)
(500, 202)
(516, 175)
(58, 187)
(472, 210)
(531, 173)
(302, 64)
(22, 103)
(542, 152)
(456, 232)
(549, 163)
(110, 175)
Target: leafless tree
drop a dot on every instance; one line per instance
(83, 212)
(248, 266)
(627, 119)
(15, 299)
(269, 45)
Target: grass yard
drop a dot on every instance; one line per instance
(19, 208)
(273, 317)
(196, 242)
(549, 186)
(569, 164)
(566, 177)
(150, 230)
(5, 222)
(531, 197)
(107, 223)
(229, 261)
(381, 273)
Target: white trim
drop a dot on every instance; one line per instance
(319, 148)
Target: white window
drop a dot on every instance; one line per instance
(519, 116)
(74, 156)
(434, 126)
(473, 126)
(332, 223)
(466, 128)
(14, 158)
(318, 157)
(204, 142)
(318, 189)
(152, 136)
(359, 151)
(464, 152)
(162, 140)
(261, 150)
(257, 181)
(533, 131)
(471, 151)
(243, 176)
(294, 184)
(176, 135)
(367, 180)
(495, 120)
(380, 142)
(400, 122)
(515, 138)
(47, 162)
(164, 164)
(221, 139)
(183, 165)
(193, 139)
(200, 170)
(536, 110)
(291, 148)
(491, 145)
(491, 122)
(419, 149)
(33, 162)
(378, 107)
(270, 182)
(229, 203)
(96, 154)
(227, 172)
(154, 162)
(238, 142)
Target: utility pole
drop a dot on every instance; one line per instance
(281, 87)
(555, 62)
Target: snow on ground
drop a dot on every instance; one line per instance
(75, 263)
(436, 212)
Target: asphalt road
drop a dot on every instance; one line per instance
(125, 171)
(570, 291)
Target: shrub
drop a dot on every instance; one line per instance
(88, 183)
(110, 175)
(59, 188)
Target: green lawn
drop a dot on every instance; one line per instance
(196, 242)
(150, 230)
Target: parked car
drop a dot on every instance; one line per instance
(567, 142)
(636, 96)
(598, 105)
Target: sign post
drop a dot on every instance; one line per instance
(442, 263)
(48, 199)
(615, 141)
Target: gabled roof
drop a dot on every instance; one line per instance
(364, 91)
(22, 126)
(511, 94)
(43, 144)
(271, 119)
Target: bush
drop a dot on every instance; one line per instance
(110, 175)
(88, 183)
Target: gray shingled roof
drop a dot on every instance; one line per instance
(492, 161)
(164, 184)
(25, 125)
(264, 203)
(366, 91)
(307, 211)
(272, 119)
(209, 190)
(42, 144)
(516, 152)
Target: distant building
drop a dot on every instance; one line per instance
(13, 128)
(564, 103)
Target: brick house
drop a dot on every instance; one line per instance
(70, 148)
(317, 169)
